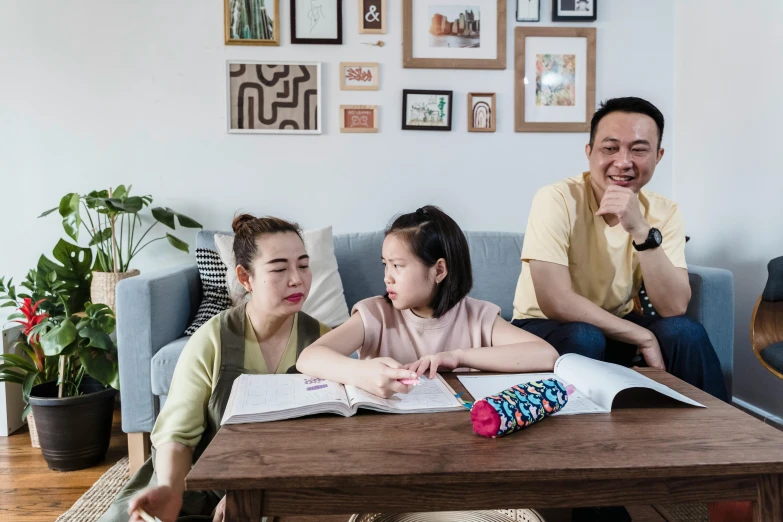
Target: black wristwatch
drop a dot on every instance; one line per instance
(654, 240)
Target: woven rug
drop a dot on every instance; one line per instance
(99, 497)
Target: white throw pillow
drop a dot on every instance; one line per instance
(326, 301)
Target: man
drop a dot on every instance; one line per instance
(592, 239)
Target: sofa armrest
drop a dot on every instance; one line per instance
(712, 304)
(152, 310)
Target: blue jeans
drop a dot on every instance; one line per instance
(687, 351)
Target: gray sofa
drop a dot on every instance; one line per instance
(154, 309)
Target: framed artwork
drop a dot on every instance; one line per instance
(359, 76)
(574, 10)
(454, 34)
(554, 79)
(481, 111)
(317, 22)
(358, 118)
(252, 22)
(529, 10)
(426, 110)
(274, 97)
(372, 16)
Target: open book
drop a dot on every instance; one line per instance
(599, 385)
(262, 398)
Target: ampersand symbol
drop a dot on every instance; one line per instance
(372, 15)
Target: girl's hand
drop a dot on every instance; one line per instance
(381, 377)
(162, 502)
(444, 360)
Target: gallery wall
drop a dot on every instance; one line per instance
(98, 93)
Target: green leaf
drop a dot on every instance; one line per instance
(49, 212)
(16, 316)
(59, 338)
(27, 386)
(178, 243)
(131, 205)
(165, 216)
(72, 219)
(96, 338)
(101, 365)
(75, 272)
(100, 237)
(26, 411)
(9, 304)
(187, 222)
(6, 376)
(120, 192)
(18, 362)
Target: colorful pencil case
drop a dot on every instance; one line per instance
(517, 407)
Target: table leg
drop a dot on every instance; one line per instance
(769, 502)
(244, 505)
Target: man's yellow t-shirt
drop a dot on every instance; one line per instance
(183, 417)
(563, 229)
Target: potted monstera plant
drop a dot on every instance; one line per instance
(113, 222)
(66, 361)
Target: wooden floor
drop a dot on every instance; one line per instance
(30, 491)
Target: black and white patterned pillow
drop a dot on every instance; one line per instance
(214, 297)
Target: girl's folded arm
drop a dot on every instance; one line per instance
(328, 357)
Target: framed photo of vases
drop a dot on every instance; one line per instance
(554, 78)
(574, 10)
(528, 10)
(252, 22)
(317, 22)
(447, 34)
(426, 110)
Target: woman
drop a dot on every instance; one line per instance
(266, 335)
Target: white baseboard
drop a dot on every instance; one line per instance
(758, 411)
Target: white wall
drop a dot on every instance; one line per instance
(727, 168)
(96, 93)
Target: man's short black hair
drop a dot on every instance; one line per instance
(432, 234)
(628, 104)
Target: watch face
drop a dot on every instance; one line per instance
(657, 237)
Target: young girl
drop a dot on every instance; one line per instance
(266, 335)
(425, 322)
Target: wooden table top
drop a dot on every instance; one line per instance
(371, 449)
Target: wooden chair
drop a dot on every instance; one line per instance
(766, 324)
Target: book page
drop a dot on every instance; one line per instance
(254, 394)
(602, 381)
(481, 386)
(430, 395)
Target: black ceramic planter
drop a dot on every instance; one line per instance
(74, 432)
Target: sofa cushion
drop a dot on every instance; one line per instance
(163, 364)
(214, 294)
(496, 261)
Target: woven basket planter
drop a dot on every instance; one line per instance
(103, 288)
(33, 432)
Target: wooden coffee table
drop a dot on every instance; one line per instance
(329, 465)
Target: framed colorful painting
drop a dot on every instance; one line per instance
(454, 34)
(426, 110)
(372, 16)
(554, 79)
(252, 22)
(574, 10)
(358, 118)
(317, 22)
(359, 76)
(481, 111)
(274, 97)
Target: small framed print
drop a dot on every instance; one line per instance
(528, 10)
(372, 16)
(481, 111)
(317, 22)
(274, 97)
(358, 76)
(358, 118)
(574, 10)
(255, 22)
(426, 110)
(554, 79)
